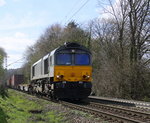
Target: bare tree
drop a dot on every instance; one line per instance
(127, 30)
(139, 26)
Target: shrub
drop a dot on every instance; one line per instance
(3, 91)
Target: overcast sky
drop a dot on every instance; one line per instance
(23, 21)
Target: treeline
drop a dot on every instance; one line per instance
(120, 47)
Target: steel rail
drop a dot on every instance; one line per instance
(100, 113)
(144, 115)
(144, 105)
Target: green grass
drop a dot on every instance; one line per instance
(16, 109)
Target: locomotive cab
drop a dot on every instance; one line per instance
(72, 72)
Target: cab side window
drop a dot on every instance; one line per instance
(46, 66)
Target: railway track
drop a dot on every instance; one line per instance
(107, 112)
(109, 116)
(122, 102)
(124, 112)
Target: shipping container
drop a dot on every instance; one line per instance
(15, 80)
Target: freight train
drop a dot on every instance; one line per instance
(64, 73)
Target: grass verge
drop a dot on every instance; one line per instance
(22, 108)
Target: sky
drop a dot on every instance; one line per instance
(23, 21)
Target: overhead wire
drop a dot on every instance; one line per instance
(15, 62)
(77, 11)
(72, 8)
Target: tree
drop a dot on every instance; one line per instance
(139, 27)
(130, 23)
(3, 91)
(74, 33)
(2, 55)
(108, 69)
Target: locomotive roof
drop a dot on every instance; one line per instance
(72, 45)
(67, 45)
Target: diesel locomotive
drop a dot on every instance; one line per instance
(64, 73)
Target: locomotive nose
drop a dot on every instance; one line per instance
(73, 73)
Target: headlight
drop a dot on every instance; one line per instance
(59, 76)
(86, 76)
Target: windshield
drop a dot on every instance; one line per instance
(82, 59)
(64, 59)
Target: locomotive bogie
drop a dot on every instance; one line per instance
(23, 87)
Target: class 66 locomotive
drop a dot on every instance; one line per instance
(64, 73)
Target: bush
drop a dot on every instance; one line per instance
(3, 92)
